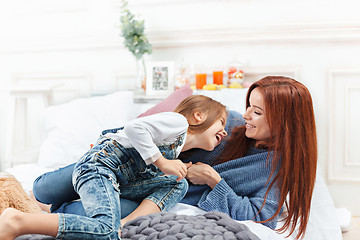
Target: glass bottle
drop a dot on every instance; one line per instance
(182, 76)
(235, 73)
(140, 84)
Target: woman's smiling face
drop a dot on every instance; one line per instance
(257, 126)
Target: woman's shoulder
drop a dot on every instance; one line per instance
(254, 157)
(253, 150)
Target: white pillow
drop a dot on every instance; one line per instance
(323, 222)
(72, 127)
(232, 98)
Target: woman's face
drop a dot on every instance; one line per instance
(257, 126)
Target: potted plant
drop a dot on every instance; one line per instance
(135, 41)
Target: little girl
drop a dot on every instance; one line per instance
(134, 162)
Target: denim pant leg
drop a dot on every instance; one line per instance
(163, 190)
(55, 187)
(97, 187)
(75, 207)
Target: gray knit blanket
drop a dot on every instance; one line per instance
(172, 226)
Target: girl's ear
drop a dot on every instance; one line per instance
(199, 117)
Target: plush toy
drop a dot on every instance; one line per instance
(13, 195)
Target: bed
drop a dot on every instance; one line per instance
(71, 128)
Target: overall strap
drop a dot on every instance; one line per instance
(114, 130)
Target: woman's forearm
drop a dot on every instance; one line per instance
(213, 179)
(222, 198)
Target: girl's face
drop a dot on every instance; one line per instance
(257, 126)
(212, 136)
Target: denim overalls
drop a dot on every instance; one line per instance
(109, 170)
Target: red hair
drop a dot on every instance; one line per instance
(290, 115)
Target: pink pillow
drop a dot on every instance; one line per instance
(170, 103)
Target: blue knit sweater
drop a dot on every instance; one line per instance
(241, 191)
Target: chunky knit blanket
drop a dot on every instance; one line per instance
(171, 226)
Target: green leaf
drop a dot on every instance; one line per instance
(132, 31)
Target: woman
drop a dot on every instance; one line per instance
(280, 122)
(271, 156)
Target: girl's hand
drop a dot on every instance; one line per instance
(172, 167)
(201, 173)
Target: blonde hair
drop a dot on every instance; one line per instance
(213, 110)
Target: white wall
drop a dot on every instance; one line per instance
(77, 43)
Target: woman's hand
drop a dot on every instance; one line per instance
(201, 173)
(172, 167)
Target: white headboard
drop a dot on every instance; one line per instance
(32, 94)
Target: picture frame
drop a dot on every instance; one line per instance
(159, 78)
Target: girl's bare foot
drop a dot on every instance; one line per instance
(124, 221)
(44, 207)
(14, 223)
(10, 224)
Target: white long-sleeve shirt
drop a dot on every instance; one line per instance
(146, 133)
